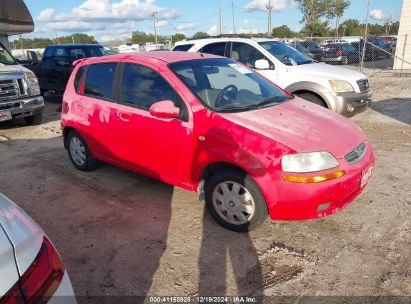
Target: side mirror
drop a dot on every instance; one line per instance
(164, 109)
(262, 64)
(32, 56)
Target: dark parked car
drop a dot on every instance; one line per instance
(377, 48)
(56, 66)
(302, 49)
(342, 53)
(313, 48)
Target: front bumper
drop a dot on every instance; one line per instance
(23, 107)
(298, 201)
(349, 104)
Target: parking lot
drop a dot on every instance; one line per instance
(120, 233)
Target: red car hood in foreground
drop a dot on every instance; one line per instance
(303, 127)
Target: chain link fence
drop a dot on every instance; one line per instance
(374, 56)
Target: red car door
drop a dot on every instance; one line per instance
(96, 110)
(160, 147)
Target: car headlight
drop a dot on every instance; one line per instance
(341, 86)
(308, 162)
(33, 84)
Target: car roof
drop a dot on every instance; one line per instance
(222, 39)
(165, 56)
(76, 45)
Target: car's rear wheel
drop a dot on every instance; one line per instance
(34, 120)
(235, 201)
(79, 152)
(313, 98)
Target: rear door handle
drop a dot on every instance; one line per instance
(124, 117)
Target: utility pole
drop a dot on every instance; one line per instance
(21, 42)
(221, 17)
(155, 29)
(269, 8)
(232, 10)
(365, 34)
(388, 30)
(57, 37)
(72, 38)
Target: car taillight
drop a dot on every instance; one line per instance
(40, 281)
(13, 296)
(43, 276)
(65, 107)
(340, 52)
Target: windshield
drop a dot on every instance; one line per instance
(85, 52)
(285, 53)
(224, 85)
(5, 56)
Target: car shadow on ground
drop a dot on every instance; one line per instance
(396, 108)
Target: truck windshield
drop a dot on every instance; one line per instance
(224, 85)
(285, 53)
(5, 56)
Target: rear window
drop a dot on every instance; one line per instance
(183, 47)
(99, 80)
(79, 78)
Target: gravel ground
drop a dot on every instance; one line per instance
(121, 233)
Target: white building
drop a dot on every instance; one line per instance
(404, 38)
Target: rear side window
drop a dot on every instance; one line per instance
(79, 78)
(49, 52)
(143, 87)
(218, 48)
(99, 80)
(183, 47)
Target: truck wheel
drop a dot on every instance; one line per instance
(79, 152)
(34, 120)
(235, 201)
(313, 98)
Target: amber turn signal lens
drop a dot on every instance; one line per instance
(313, 179)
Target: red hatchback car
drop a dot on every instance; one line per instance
(211, 125)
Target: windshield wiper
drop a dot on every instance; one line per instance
(270, 100)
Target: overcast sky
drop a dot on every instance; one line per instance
(108, 19)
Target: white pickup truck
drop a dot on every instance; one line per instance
(341, 90)
(19, 88)
(19, 91)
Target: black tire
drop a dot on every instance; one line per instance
(313, 98)
(90, 163)
(34, 120)
(247, 182)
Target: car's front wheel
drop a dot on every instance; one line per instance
(79, 152)
(235, 201)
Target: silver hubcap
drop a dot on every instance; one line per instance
(233, 203)
(77, 151)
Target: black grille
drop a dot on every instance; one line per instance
(356, 154)
(8, 89)
(363, 85)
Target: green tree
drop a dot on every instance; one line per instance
(178, 37)
(313, 10)
(199, 35)
(78, 38)
(318, 29)
(335, 9)
(142, 38)
(283, 31)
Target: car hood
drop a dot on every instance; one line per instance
(302, 126)
(327, 71)
(24, 234)
(16, 68)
